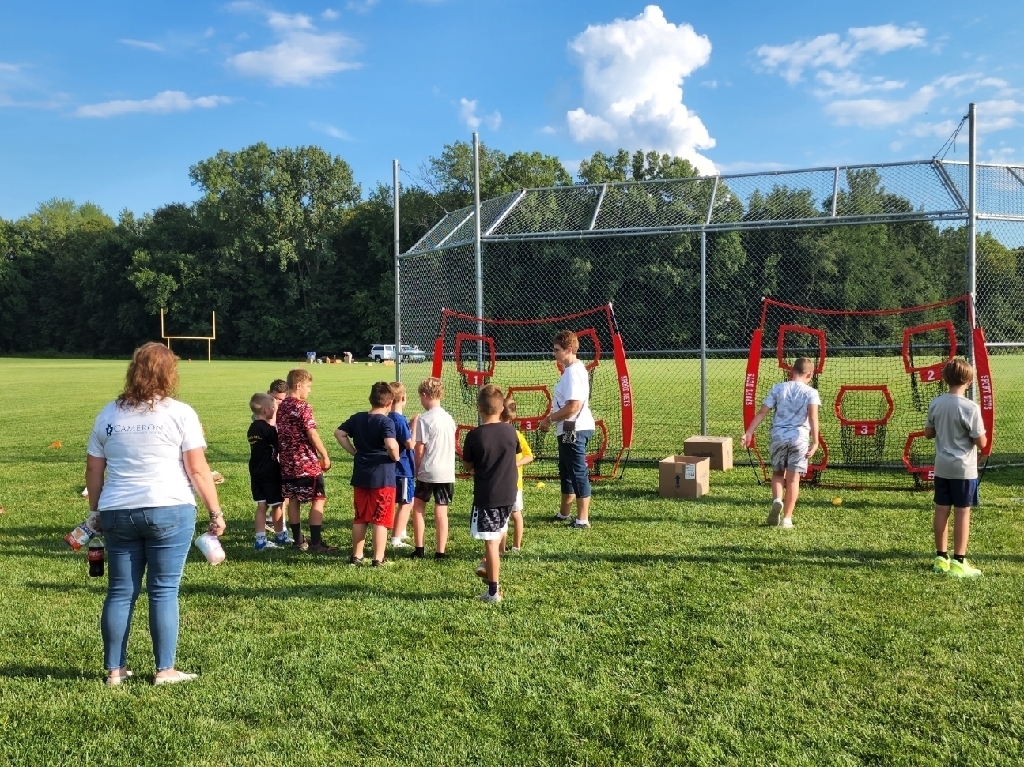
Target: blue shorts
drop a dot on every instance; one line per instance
(404, 489)
(958, 493)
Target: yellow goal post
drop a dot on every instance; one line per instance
(209, 339)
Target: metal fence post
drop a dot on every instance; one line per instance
(972, 217)
(703, 333)
(398, 290)
(478, 248)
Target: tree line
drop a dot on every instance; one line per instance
(292, 255)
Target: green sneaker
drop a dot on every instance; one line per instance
(963, 569)
(940, 565)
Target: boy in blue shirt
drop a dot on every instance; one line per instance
(375, 450)
(405, 467)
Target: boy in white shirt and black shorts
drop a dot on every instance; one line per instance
(435, 467)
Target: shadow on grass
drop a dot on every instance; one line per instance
(740, 555)
(14, 671)
(323, 591)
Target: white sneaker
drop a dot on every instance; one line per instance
(787, 523)
(488, 598)
(773, 515)
(481, 570)
(398, 543)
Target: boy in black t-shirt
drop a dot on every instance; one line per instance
(489, 454)
(265, 472)
(373, 471)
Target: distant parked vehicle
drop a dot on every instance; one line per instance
(413, 354)
(381, 352)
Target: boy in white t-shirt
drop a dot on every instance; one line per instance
(954, 422)
(434, 434)
(794, 437)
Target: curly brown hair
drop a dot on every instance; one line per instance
(152, 374)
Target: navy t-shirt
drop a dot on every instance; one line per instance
(406, 456)
(372, 466)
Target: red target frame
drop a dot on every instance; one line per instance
(927, 473)
(529, 422)
(928, 373)
(474, 377)
(780, 350)
(862, 428)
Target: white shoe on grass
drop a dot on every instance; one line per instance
(773, 515)
(786, 523)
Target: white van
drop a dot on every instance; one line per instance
(381, 352)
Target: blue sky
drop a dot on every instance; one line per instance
(113, 101)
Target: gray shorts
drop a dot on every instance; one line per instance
(789, 456)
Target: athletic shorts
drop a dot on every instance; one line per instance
(304, 489)
(489, 524)
(404, 487)
(958, 493)
(443, 492)
(789, 456)
(374, 505)
(518, 505)
(266, 489)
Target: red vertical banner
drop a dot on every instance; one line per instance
(750, 382)
(986, 390)
(625, 390)
(435, 369)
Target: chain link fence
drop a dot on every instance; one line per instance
(687, 262)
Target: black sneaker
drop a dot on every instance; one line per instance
(559, 518)
(355, 561)
(440, 555)
(300, 545)
(381, 562)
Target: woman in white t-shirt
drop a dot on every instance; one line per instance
(145, 463)
(574, 426)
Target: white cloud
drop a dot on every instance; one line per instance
(162, 103)
(549, 130)
(851, 84)
(833, 51)
(876, 113)
(302, 55)
(360, 6)
(633, 70)
(330, 130)
(468, 115)
(329, 14)
(142, 44)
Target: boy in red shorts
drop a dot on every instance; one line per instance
(373, 471)
(304, 460)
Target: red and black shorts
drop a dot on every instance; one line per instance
(304, 489)
(374, 505)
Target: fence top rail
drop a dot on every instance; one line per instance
(927, 186)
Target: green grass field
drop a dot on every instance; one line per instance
(673, 632)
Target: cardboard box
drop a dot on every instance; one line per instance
(684, 476)
(718, 449)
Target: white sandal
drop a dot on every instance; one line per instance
(180, 676)
(114, 681)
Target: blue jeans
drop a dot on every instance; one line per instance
(155, 540)
(572, 465)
